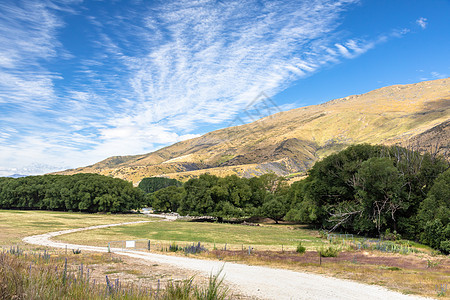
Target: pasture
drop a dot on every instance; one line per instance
(234, 236)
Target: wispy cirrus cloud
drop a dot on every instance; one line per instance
(207, 61)
(27, 36)
(154, 74)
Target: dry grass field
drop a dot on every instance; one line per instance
(17, 224)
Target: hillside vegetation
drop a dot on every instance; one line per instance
(290, 142)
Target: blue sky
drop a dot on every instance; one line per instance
(84, 80)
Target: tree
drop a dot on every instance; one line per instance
(198, 199)
(83, 192)
(434, 214)
(330, 182)
(168, 199)
(437, 203)
(379, 190)
(153, 184)
(274, 208)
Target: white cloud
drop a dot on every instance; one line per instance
(437, 75)
(27, 36)
(433, 75)
(156, 73)
(422, 22)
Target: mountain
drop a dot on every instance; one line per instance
(288, 143)
(17, 176)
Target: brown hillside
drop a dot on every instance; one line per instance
(290, 142)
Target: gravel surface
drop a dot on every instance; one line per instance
(254, 281)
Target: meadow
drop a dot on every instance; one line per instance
(231, 236)
(17, 224)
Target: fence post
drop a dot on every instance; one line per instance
(148, 246)
(249, 250)
(109, 247)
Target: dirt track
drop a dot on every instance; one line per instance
(255, 281)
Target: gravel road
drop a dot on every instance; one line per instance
(254, 281)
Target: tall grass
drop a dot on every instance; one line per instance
(32, 276)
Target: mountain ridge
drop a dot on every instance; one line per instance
(289, 142)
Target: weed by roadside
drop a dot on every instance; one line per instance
(39, 276)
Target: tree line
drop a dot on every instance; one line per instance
(81, 192)
(363, 189)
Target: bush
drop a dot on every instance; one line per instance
(76, 251)
(328, 251)
(300, 248)
(391, 236)
(174, 247)
(194, 249)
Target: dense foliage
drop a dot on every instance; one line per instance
(228, 197)
(80, 192)
(153, 184)
(434, 214)
(372, 189)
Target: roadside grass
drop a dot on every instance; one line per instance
(231, 236)
(17, 224)
(27, 275)
(393, 271)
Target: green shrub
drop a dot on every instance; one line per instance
(328, 251)
(391, 236)
(300, 248)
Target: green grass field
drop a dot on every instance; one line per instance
(181, 232)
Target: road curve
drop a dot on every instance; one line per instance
(255, 281)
